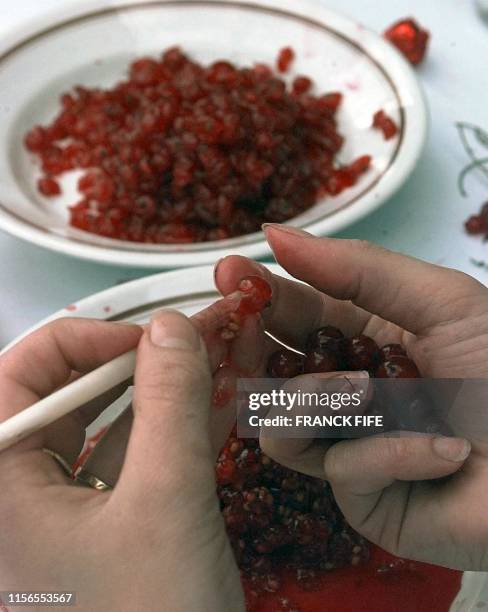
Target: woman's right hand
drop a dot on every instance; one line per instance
(386, 486)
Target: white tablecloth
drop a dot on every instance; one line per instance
(424, 219)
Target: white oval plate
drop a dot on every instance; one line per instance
(92, 46)
(189, 291)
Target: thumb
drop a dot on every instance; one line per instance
(370, 476)
(169, 444)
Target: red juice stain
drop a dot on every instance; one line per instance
(384, 584)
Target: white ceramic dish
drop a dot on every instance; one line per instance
(191, 290)
(92, 44)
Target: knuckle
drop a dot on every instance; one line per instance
(361, 246)
(174, 379)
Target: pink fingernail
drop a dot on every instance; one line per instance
(216, 267)
(451, 449)
(170, 329)
(294, 231)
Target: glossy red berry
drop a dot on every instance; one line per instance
(36, 139)
(49, 187)
(285, 363)
(360, 165)
(397, 366)
(256, 296)
(389, 350)
(325, 337)
(285, 59)
(321, 360)
(409, 38)
(361, 353)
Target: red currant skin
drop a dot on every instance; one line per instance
(361, 353)
(256, 295)
(389, 350)
(397, 366)
(321, 360)
(323, 337)
(285, 364)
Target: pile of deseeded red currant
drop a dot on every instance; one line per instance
(183, 152)
(276, 518)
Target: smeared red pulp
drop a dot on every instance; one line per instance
(406, 586)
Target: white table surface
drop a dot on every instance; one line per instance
(424, 219)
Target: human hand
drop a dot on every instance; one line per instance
(441, 317)
(157, 539)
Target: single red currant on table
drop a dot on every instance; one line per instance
(478, 224)
(409, 38)
(48, 186)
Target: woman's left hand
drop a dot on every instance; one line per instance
(157, 540)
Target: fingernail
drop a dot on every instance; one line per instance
(294, 231)
(172, 330)
(353, 382)
(451, 449)
(216, 267)
(348, 376)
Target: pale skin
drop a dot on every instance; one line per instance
(140, 546)
(441, 316)
(148, 532)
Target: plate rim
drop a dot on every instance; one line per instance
(389, 60)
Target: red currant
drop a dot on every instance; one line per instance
(257, 295)
(409, 38)
(285, 59)
(285, 364)
(389, 350)
(397, 366)
(49, 187)
(321, 360)
(325, 337)
(383, 122)
(361, 353)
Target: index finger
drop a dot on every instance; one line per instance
(45, 360)
(408, 292)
